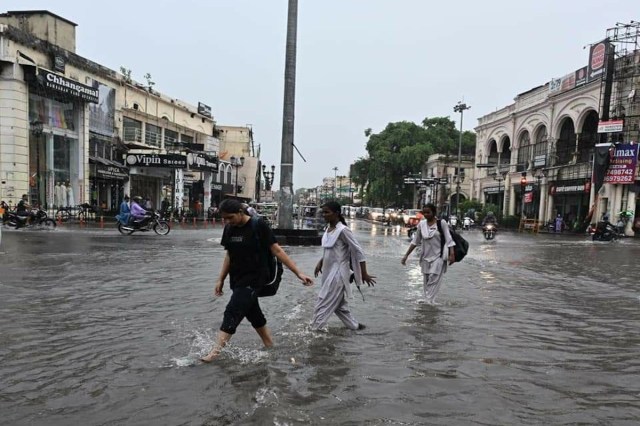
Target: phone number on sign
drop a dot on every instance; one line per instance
(620, 172)
(619, 179)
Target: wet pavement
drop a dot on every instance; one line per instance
(102, 329)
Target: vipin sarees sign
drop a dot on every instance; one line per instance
(622, 167)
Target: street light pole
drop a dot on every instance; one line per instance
(335, 177)
(461, 107)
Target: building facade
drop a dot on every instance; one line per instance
(73, 131)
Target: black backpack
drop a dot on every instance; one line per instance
(462, 246)
(273, 266)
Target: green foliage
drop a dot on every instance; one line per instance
(468, 206)
(401, 149)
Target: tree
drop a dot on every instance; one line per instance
(401, 149)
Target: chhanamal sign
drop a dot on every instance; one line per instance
(622, 168)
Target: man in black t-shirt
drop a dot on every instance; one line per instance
(242, 262)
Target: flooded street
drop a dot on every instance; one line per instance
(101, 329)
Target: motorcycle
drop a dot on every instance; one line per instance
(489, 231)
(605, 231)
(154, 221)
(39, 219)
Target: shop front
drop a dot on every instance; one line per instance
(56, 141)
(107, 174)
(494, 195)
(570, 199)
(107, 180)
(151, 175)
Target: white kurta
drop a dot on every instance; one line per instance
(432, 264)
(340, 247)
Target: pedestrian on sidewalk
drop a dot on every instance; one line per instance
(246, 269)
(436, 249)
(341, 253)
(559, 223)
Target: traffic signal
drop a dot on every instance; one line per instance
(523, 182)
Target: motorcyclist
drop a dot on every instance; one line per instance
(139, 215)
(23, 209)
(490, 219)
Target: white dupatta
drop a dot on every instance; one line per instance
(329, 240)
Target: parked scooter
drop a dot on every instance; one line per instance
(39, 219)
(605, 231)
(155, 222)
(489, 231)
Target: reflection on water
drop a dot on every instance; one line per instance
(103, 329)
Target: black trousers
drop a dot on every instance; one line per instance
(243, 304)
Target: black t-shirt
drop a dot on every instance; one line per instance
(21, 208)
(246, 264)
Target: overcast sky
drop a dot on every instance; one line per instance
(361, 63)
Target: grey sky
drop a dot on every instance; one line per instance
(361, 63)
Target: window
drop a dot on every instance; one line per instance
(186, 138)
(170, 139)
(132, 130)
(524, 152)
(152, 135)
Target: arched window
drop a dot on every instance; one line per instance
(540, 148)
(524, 151)
(588, 137)
(566, 142)
(229, 174)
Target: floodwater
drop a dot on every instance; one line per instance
(102, 329)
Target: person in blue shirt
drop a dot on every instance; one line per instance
(125, 211)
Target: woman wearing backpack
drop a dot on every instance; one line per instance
(246, 269)
(435, 251)
(340, 251)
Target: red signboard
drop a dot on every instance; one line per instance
(528, 197)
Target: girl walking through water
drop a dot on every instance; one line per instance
(433, 259)
(340, 250)
(243, 264)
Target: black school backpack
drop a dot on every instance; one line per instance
(274, 267)
(462, 246)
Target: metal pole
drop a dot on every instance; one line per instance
(335, 177)
(460, 107)
(285, 206)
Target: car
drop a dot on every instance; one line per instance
(412, 217)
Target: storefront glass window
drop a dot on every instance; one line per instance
(51, 112)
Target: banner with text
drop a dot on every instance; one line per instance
(622, 167)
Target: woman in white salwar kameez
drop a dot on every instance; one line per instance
(433, 259)
(340, 251)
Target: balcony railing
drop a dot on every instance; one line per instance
(132, 134)
(152, 138)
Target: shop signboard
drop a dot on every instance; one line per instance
(622, 167)
(202, 162)
(611, 126)
(174, 161)
(598, 60)
(570, 187)
(110, 172)
(528, 197)
(62, 84)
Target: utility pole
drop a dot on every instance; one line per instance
(461, 107)
(285, 206)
